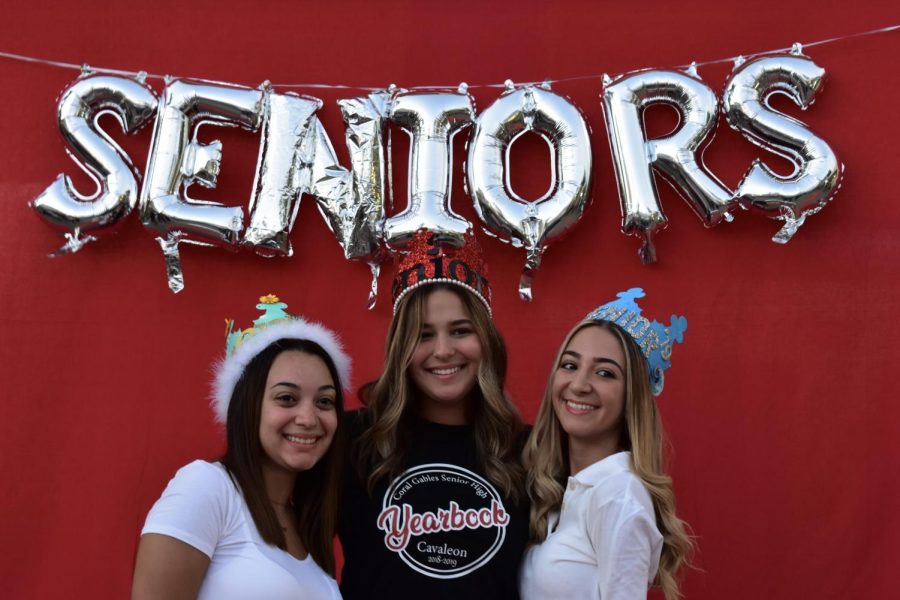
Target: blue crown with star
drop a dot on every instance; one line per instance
(653, 338)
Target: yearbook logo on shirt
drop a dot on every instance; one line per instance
(444, 521)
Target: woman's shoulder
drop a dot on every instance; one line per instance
(205, 482)
(623, 500)
(628, 489)
(199, 506)
(204, 472)
(613, 482)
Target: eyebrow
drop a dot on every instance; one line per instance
(599, 359)
(455, 323)
(294, 386)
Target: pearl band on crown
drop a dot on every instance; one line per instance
(428, 261)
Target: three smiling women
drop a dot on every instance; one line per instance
(436, 501)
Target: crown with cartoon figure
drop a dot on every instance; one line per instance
(654, 339)
(273, 312)
(274, 324)
(431, 259)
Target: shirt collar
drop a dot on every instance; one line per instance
(600, 470)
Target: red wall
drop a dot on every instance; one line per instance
(778, 405)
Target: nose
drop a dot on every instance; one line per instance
(305, 414)
(443, 347)
(580, 383)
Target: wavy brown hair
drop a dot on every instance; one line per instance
(392, 399)
(316, 491)
(546, 459)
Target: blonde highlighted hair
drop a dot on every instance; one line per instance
(546, 459)
(391, 402)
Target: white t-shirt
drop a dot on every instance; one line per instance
(602, 544)
(202, 507)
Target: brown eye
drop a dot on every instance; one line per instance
(326, 402)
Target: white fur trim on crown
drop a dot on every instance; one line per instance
(229, 369)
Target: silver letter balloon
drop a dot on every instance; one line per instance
(817, 171)
(674, 155)
(133, 104)
(177, 160)
(506, 215)
(287, 121)
(431, 119)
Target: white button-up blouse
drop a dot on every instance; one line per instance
(602, 544)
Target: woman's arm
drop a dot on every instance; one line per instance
(182, 531)
(167, 569)
(625, 539)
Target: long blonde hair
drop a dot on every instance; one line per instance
(391, 399)
(546, 459)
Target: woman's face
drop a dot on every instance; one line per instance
(298, 417)
(588, 388)
(445, 362)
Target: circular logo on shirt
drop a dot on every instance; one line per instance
(444, 521)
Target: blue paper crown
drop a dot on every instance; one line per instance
(654, 339)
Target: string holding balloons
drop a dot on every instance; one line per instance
(296, 158)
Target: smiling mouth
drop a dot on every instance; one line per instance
(445, 371)
(578, 406)
(303, 441)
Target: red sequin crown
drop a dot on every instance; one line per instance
(430, 260)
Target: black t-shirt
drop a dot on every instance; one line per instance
(441, 529)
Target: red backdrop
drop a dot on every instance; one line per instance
(778, 405)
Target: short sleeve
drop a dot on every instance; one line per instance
(627, 545)
(195, 507)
